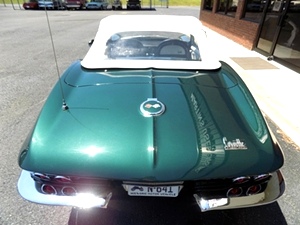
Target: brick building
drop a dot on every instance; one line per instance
(271, 27)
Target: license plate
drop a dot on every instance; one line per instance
(153, 191)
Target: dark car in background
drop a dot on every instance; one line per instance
(133, 4)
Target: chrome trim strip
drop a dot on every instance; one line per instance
(244, 179)
(150, 183)
(27, 189)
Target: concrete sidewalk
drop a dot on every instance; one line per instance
(275, 87)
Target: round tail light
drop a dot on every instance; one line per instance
(68, 191)
(234, 192)
(254, 189)
(48, 189)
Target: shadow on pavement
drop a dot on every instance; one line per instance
(173, 211)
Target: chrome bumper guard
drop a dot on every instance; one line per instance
(26, 188)
(273, 191)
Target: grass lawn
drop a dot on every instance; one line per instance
(146, 2)
(183, 2)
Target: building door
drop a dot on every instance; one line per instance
(280, 32)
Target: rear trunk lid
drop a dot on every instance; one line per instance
(210, 127)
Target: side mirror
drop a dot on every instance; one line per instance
(91, 42)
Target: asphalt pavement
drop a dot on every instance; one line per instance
(274, 86)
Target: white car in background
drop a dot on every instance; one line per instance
(97, 4)
(117, 4)
(51, 4)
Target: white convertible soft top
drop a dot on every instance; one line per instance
(111, 26)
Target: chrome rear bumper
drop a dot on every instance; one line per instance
(274, 189)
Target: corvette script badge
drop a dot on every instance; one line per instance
(236, 144)
(152, 107)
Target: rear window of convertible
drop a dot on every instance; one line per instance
(152, 45)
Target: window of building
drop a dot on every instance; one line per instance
(228, 7)
(208, 4)
(254, 10)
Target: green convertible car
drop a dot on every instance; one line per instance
(150, 112)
